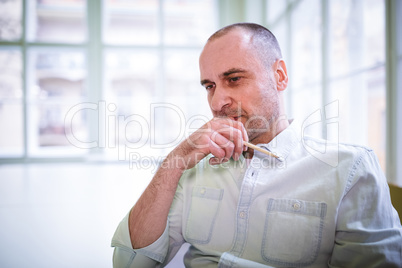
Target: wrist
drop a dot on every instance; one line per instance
(174, 163)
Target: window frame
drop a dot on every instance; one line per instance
(93, 48)
(392, 64)
(229, 12)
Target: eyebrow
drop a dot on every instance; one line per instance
(232, 71)
(224, 74)
(205, 81)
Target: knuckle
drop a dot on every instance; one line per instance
(231, 146)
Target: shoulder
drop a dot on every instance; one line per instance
(336, 153)
(331, 153)
(355, 166)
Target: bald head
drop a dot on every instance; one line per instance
(262, 40)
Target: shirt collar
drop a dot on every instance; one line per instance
(283, 143)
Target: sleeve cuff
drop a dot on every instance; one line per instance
(156, 251)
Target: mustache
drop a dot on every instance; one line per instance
(229, 112)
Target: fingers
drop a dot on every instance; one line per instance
(222, 137)
(221, 147)
(227, 139)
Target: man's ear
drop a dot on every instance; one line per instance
(281, 74)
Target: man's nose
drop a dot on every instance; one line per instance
(220, 98)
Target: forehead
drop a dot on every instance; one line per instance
(233, 50)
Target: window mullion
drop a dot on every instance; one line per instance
(94, 91)
(393, 30)
(161, 51)
(324, 58)
(288, 48)
(24, 79)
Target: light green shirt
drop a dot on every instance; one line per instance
(324, 205)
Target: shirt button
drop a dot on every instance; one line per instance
(296, 206)
(202, 191)
(242, 214)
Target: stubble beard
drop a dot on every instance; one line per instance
(255, 125)
(258, 126)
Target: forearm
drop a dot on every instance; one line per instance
(221, 137)
(149, 215)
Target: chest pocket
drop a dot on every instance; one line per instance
(204, 208)
(293, 232)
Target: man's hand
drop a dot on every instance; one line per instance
(222, 137)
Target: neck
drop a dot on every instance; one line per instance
(280, 124)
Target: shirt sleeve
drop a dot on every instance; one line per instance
(159, 253)
(125, 256)
(369, 232)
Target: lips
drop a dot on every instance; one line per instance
(235, 118)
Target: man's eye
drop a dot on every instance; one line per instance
(207, 87)
(234, 79)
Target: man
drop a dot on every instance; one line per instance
(242, 208)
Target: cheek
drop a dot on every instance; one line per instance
(264, 105)
(209, 98)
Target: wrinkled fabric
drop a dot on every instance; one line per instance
(322, 205)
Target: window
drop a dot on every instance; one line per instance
(357, 71)
(110, 78)
(336, 61)
(11, 100)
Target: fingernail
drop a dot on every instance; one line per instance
(214, 161)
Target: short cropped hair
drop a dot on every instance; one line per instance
(263, 40)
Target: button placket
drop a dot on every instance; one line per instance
(243, 207)
(242, 214)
